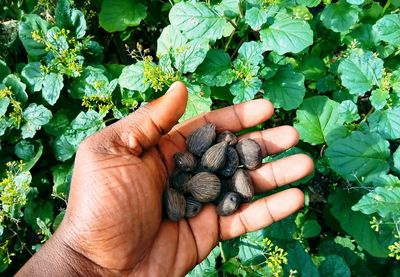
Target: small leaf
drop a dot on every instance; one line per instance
(251, 52)
(359, 155)
(285, 89)
(70, 19)
(229, 8)
(30, 23)
(384, 201)
(52, 85)
(4, 70)
(348, 111)
(334, 266)
(25, 150)
(117, 15)
(386, 123)
(287, 35)
(208, 266)
(245, 90)
(360, 71)
(33, 76)
(170, 39)
(388, 29)
(132, 78)
(339, 17)
(35, 116)
(197, 20)
(316, 118)
(300, 261)
(62, 175)
(38, 209)
(197, 104)
(396, 160)
(379, 98)
(310, 229)
(17, 87)
(256, 17)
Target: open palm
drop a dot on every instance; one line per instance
(114, 216)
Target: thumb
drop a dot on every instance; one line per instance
(144, 128)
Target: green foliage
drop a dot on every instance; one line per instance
(331, 69)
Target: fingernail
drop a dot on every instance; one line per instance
(171, 88)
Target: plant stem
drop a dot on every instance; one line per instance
(229, 41)
(387, 5)
(368, 114)
(234, 24)
(222, 253)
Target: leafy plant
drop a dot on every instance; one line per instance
(331, 69)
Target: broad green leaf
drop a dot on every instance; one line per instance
(57, 125)
(364, 35)
(359, 155)
(250, 250)
(229, 8)
(191, 56)
(313, 68)
(386, 123)
(71, 19)
(4, 103)
(287, 35)
(4, 70)
(385, 201)
(256, 17)
(132, 78)
(38, 154)
(245, 90)
(33, 76)
(339, 17)
(299, 260)
(17, 87)
(316, 118)
(35, 116)
(342, 247)
(285, 89)
(91, 82)
(117, 15)
(215, 69)
(388, 29)
(170, 39)
(251, 52)
(38, 209)
(360, 71)
(334, 266)
(309, 3)
(379, 98)
(52, 85)
(30, 23)
(197, 20)
(310, 229)
(283, 230)
(355, 2)
(386, 180)
(85, 124)
(208, 266)
(196, 105)
(348, 111)
(355, 223)
(25, 150)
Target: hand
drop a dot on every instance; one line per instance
(114, 225)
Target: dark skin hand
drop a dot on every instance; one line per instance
(114, 225)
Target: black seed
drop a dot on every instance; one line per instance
(185, 161)
(201, 139)
(204, 187)
(231, 164)
(227, 136)
(179, 179)
(193, 207)
(242, 184)
(214, 158)
(174, 204)
(249, 153)
(229, 204)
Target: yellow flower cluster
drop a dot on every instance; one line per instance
(277, 257)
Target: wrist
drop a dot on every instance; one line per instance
(58, 258)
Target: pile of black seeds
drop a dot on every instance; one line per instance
(212, 170)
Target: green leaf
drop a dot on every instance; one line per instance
(85, 124)
(57, 125)
(192, 56)
(25, 150)
(359, 155)
(348, 111)
(215, 69)
(229, 8)
(310, 229)
(355, 2)
(91, 82)
(132, 78)
(388, 29)
(38, 209)
(299, 260)
(316, 118)
(17, 87)
(354, 223)
(250, 250)
(4, 103)
(385, 201)
(28, 24)
(170, 39)
(208, 266)
(313, 68)
(251, 52)
(339, 17)
(386, 123)
(360, 71)
(39, 152)
(285, 89)
(197, 104)
(35, 116)
(256, 17)
(117, 15)
(33, 76)
(245, 90)
(197, 20)
(52, 85)
(62, 175)
(71, 19)
(287, 35)
(379, 98)
(283, 230)
(396, 160)
(4, 70)
(334, 266)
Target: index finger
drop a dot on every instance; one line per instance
(233, 118)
